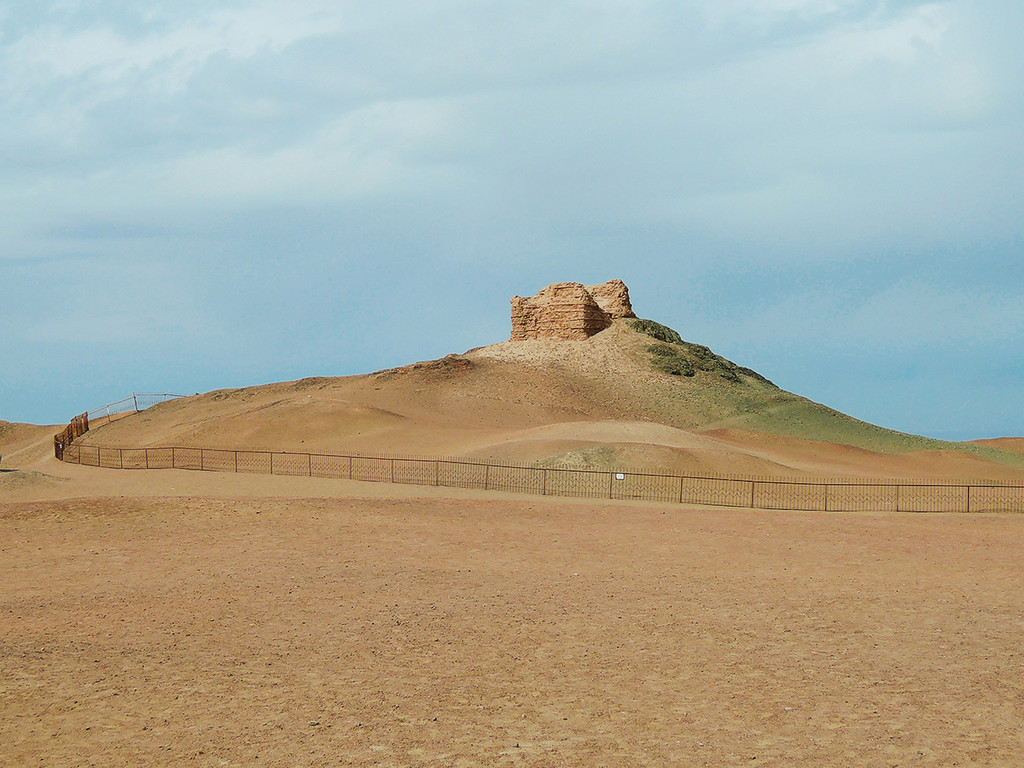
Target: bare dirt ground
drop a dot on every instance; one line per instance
(175, 618)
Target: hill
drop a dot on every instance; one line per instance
(620, 398)
(24, 443)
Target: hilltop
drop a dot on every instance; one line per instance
(633, 395)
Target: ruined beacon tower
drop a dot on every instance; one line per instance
(569, 311)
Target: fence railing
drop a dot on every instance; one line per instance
(841, 495)
(78, 427)
(138, 401)
(123, 407)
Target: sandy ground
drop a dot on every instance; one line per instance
(185, 618)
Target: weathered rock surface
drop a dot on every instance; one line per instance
(613, 298)
(569, 311)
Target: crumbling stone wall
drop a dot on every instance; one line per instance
(569, 311)
(613, 298)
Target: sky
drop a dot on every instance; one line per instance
(199, 195)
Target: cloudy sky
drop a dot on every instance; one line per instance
(196, 195)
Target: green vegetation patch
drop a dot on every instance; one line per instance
(681, 358)
(655, 330)
(671, 359)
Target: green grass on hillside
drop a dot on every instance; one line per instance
(683, 358)
(764, 407)
(655, 330)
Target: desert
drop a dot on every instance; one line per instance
(172, 617)
(511, 384)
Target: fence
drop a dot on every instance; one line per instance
(126, 406)
(78, 427)
(759, 493)
(123, 407)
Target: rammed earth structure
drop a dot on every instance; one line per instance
(569, 311)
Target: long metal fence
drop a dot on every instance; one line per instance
(839, 495)
(126, 406)
(138, 401)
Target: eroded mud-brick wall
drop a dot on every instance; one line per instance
(613, 298)
(569, 311)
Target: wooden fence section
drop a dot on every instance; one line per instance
(756, 493)
(78, 427)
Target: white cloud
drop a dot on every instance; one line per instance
(725, 15)
(792, 131)
(372, 151)
(105, 54)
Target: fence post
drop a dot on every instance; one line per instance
(544, 487)
(236, 462)
(968, 499)
(120, 458)
(147, 458)
(680, 489)
(202, 460)
(826, 497)
(751, 494)
(611, 476)
(437, 471)
(897, 497)
(135, 399)
(349, 467)
(271, 462)
(392, 470)
(172, 457)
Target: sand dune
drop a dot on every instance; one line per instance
(23, 445)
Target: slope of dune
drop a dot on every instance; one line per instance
(1014, 444)
(26, 450)
(598, 403)
(24, 443)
